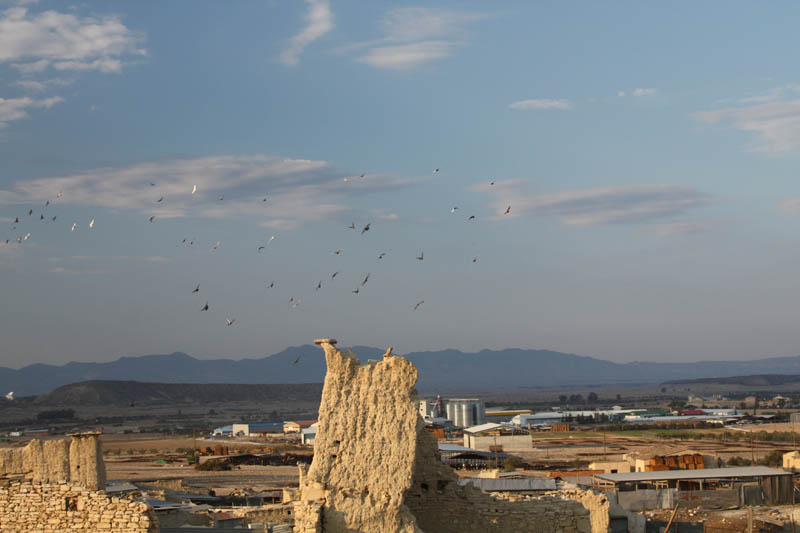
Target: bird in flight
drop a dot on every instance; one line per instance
(272, 238)
(16, 220)
(161, 199)
(508, 210)
(152, 184)
(355, 291)
(91, 223)
(60, 194)
(194, 189)
(222, 197)
(230, 321)
(421, 256)
(152, 218)
(352, 225)
(491, 182)
(74, 225)
(30, 212)
(27, 236)
(366, 279)
(296, 361)
(265, 199)
(205, 307)
(41, 217)
(334, 274)
(216, 245)
(366, 229)
(471, 217)
(336, 252)
(319, 285)
(196, 289)
(295, 303)
(475, 259)
(454, 209)
(47, 203)
(10, 395)
(435, 170)
(271, 285)
(54, 218)
(416, 306)
(381, 256)
(261, 248)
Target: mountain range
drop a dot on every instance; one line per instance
(445, 371)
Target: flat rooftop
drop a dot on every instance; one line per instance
(703, 473)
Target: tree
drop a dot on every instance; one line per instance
(511, 463)
(562, 398)
(677, 405)
(592, 397)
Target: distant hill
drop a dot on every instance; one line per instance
(134, 392)
(763, 380)
(440, 371)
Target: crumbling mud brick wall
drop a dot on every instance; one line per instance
(78, 461)
(27, 507)
(375, 469)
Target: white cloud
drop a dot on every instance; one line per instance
(601, 205)
(297, 190)
(157, 259)
(406, 56)
(621, 94)
(790, 206)
(644, 92)
(64, 41)
(320, 22)
(39, 86)
(775, 124)
(12, 109)
(414, 36)
(542, 103)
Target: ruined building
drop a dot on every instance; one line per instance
(56, 486)
(375, 469)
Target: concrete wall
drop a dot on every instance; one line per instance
(78, 461)
(63, 508)
(508, 442)
(611, 467)
(376, 469)
(639, 500)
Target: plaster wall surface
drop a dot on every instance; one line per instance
(78, 461)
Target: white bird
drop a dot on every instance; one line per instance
(345, 180)
(10, 395)
(230, 321)
(74, 225)
(272, 238)
(27, 236)
(418, 304)
(454, 209)
(194, 189)
(91, 224)
(60, 194)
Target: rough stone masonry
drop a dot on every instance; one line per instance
(376, 469)
(56, 486)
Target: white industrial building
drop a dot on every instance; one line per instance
(466, 412)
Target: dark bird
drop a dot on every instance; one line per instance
(54, 218)
(352, 225)
(261, 248)
(30, 212)
(366, 229)
(16, 220)
(334, 274)
(160, 200)
(471, 217)
(366, 279)
(475, 259)
(264, 200)
(205, 307)
(222, 197)
(355, 291)
(47, 203)
(491, 182)
(152, 218)
(381, 256)
(508, 210)
(152, 184)
(319, 285)
(421, 256)
(337, 252)
(196, 289)
(41, 217)
(296, 360)
(435, 170)
(271, 285)
(418, 304)
(183, 241)
(362, 175)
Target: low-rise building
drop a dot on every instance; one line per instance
(296, 426)
(496, 437)
(611, 467)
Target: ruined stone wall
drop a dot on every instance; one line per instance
(375, 469)
(78, 461)
(595, 502)
(440, 505)
(27, 507)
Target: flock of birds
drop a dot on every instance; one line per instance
(229, 321)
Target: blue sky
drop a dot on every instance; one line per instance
(649, 155)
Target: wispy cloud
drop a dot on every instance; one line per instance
(602, 205)
(776, 125)
(414, 36)
(12, 109)
(65, 41)
(638, 92)
(320, 22)
(542, 103)
(296, 190)
(43, 85)
(790, 206)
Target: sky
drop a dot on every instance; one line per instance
(648, 153)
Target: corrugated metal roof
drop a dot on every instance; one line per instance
(509, 485)
(705, 473)
(483, 427)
